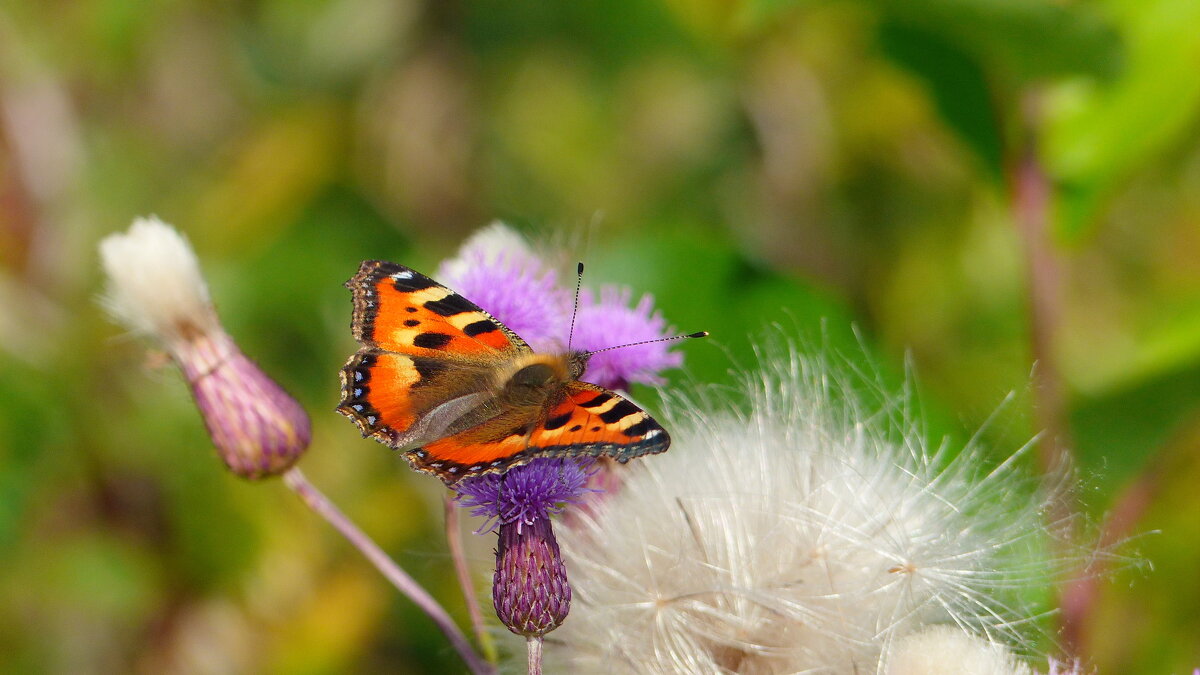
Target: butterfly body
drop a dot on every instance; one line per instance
(462, 395)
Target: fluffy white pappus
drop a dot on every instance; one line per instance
(802, 532)
(154, 283)
(949, 650)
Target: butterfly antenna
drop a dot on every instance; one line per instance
(575, 311)
(689, 336)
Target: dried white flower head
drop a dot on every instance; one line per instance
(949, 650)
(154, 283)
(807, 534)
(155, 287)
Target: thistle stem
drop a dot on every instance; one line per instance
(455, 541)
(534, 645)
(318, 502)
(1032, 196)
(1033, 208)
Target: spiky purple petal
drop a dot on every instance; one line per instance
(610, 321)
(496, 271)
(526, 493)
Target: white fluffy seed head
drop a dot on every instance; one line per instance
(154, 283)
(803, 534)
(949, 650)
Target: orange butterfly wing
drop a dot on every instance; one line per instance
(423, 344)
(400, 310)
(428, 354)
(588, 420)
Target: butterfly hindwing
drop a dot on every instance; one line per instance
(401, 310)
(587, 420)
(591, 420)
(402, 400)
(495, 445)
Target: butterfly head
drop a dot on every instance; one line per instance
(577, 363)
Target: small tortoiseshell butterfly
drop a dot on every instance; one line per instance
(463, 395)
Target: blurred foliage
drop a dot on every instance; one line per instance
(815, 164)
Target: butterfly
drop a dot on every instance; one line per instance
(463, 395)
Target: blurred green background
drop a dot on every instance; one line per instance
(977, 185)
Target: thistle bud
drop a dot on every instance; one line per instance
(257, 428)
(155, 288)
(529, 589)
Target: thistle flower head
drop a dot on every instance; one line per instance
(526, 493)
(155, 287)
(257, 428)
(804, 533)
(529, 588)
(154, 283)
(949, 650)
(496, 269)
(530, 591)
(610, 321)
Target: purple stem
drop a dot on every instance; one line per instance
(1033, 196)
(386, 566)
(534, 645)
(455, 541)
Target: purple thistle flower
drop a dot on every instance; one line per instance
(497, 271)
(526, 493)
(530, 590)
(529, 587)
(610, 322)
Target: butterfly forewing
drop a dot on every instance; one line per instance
(401, 310)
(425, 345)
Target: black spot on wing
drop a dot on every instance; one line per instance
(619, 412)
(428, 368)
(639, 429)
(412, 322)
(522, 430)
(450, 305)
(557, 422)
(355, 403)
(432, 340)
(408, 281)
(361, 371)
(480, 327)
(599, 400)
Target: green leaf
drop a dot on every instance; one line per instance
(1027, 39)
(1116, 434)
(958, 87)
(1098, 135)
